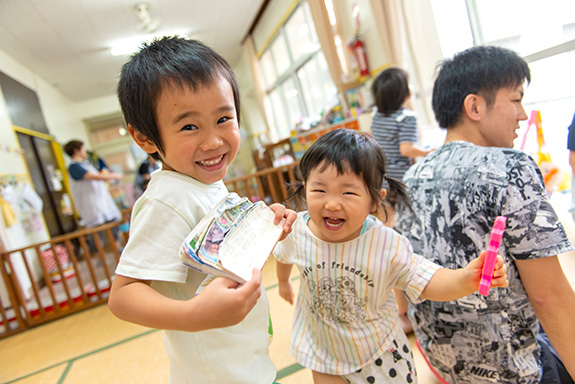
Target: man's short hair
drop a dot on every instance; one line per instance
(482, 70)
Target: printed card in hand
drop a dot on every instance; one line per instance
(232, 239)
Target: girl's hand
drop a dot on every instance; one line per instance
(451, 284)
(475, 271)
(286, 291)
(281, 213)
(499, 274)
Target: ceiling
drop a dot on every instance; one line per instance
(67, 42)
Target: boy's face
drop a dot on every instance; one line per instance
(501, 120)
(199, 130)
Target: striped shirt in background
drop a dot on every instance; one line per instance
(390, 131)
(346, 315)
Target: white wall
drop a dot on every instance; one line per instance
(57, 109)
(376, 57)
(10, 160)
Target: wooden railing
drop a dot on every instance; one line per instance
(273, 185)
(73, 272)
(64, 275)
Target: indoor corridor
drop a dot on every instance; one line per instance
(94, 347)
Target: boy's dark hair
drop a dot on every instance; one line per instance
(390, 90)
(168, 61)
(355, 152)
(72, 146)
(482, 70)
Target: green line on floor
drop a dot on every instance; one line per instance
(65, 373)
(289, 371)
(71, 361)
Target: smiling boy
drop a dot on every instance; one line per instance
(180, 101)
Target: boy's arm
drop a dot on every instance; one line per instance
(451, 284)
(221, 304)
(284, 283)
(553, 301)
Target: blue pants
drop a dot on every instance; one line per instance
(554, 372)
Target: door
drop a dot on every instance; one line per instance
(47, 181)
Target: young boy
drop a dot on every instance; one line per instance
(180, 100)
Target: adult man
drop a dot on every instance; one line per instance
(457, 193)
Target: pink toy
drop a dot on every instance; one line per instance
(492, 251)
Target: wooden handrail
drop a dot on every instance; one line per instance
(83, 280)
(270, 184)
(66, 274)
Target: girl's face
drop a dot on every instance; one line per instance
(338, 204)
(199, 130)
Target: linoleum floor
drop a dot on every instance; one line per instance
(94, 347)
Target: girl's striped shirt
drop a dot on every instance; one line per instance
(345, 315)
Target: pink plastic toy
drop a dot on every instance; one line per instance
(492, 251)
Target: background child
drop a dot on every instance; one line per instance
(394, 127)
(181, 102)
(345, 325)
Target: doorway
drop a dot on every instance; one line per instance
(48, 182)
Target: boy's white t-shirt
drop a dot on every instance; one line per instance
(161, 219)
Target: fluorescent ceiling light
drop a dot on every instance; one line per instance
(128, 46)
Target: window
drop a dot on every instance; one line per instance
(525, 26)
(296, 77)
(541, 32)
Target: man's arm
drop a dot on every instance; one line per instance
(572, 161)
(553, 300)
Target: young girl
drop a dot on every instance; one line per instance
(394, 127)
(345, 327)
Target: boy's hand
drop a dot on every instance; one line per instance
(281, 213)
(286, 291)
(225, 302)
(475, 268)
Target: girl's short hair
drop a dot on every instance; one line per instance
(390, 90)
(354, 152)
